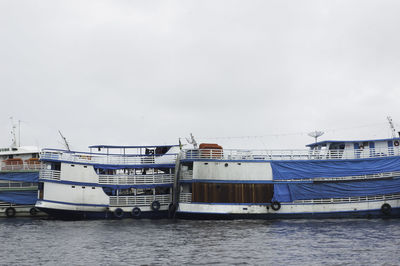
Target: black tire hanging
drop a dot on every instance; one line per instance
(155, 205)
(33, 211)
(10, 212)
(275, 205)
(118, 213)
(386, 209)
(136, 212)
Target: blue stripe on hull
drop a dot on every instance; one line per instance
(87, 215)
(395, 213)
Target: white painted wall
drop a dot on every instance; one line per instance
(78, 194)
(242, 171)
(78, 173)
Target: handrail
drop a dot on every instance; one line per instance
(49, 174)
(121, 159)
(185, 197)
(228, 154)
(186, 175)
(17, 167)
(123, 179)
(140, 201)
(351, 199)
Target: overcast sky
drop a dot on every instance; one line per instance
(149, 72)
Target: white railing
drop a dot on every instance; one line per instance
(186, 175)
(136, 179)
(216, 154)
(19, 167)
(351, 199)
(6, 185)
(185, 197)
(92, 158)
(49, 174)
(140, 201)
(385, 175)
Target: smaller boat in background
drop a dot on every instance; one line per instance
(19, 175)
(107, 182)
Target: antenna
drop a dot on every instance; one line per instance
(392, 127)
(65, 141)
(19, 133)
(315, 134)
(192, 141)
(14, 138)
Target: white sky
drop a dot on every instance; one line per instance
(149, 72)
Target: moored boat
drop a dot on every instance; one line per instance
(19, 173)
(331, 179)
(107, 182)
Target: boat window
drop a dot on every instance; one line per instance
(162, 150)
(108, 191)
(337, 146)
(56, 166)
(149, 152)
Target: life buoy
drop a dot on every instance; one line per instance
(10, 212)
(275, 205)
(33, 211)
(118, 213)
(136, 212)
(155, 205)
(386, 209)
(396, 143)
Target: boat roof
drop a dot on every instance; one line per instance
(130, 147)
(324, 142)
(19, 150)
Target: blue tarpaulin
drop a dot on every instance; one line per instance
(306, 191)
(20, 176)
(19, 197)
(283, 170)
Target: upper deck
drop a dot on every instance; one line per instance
(327, 150)
(149, 156)
(19, 159)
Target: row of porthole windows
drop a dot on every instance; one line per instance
(73, 165)
(226, 164)
(84, 187)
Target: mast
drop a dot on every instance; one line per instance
(392, 129)
(192, 141)
(14, 138)
(65, 141)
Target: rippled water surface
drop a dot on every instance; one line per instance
(284, 242)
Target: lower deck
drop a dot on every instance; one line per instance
(351, 209)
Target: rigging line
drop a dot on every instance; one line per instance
(289, 134)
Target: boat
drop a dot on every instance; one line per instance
(329, 179)
(19, 174)
(108, 182)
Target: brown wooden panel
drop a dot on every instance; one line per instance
(232, 193)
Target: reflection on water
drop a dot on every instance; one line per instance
(285, 242)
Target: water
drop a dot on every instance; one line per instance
(131, 242)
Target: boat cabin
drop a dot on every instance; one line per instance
(361, 148)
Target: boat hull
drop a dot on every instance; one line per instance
(337, 215)
(98, 215)
(369, 209)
